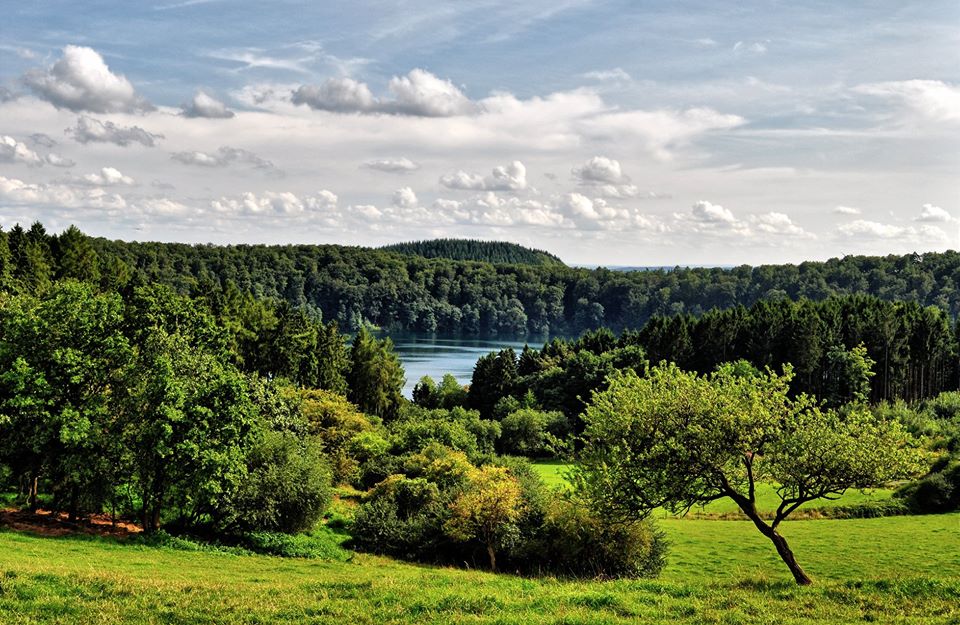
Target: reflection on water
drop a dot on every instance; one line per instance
(436, 355)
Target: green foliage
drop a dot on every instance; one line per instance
(580, 542)
(375, 377)
(676, 439)
(497, 252)
(458, 429)
(287, 487)
(534, 433)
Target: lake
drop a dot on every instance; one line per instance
(435, 355)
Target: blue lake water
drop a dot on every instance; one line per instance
(435, 355)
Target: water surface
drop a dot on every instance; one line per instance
(436, 355)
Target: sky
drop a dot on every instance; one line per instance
(606, 132)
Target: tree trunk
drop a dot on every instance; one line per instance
(493, 558)
(34, 483)
(787, 556)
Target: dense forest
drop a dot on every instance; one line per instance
(395, 291)
(496, 252)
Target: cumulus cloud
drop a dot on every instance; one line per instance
(662, 130)
(13, 151)
(871, 230)
(225, 156)
(277, 203)
(422, 93)
(776, 223)
(600, 169)
(512, 177)
(392, 165)
(339, 95)
(106, 177)
(419, 93)
(705, 211)
(43, 140)
(605, 176)
(90, 130)
(932, 99)
(203, 105)
(19, 192)
(81, 81)
(404, 197)
(934, 214)
(846, 210)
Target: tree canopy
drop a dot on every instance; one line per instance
(676, 439)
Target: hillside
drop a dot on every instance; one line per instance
(496, 252)
(401, 292)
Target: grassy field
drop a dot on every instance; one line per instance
(553, 473)
(897, 569)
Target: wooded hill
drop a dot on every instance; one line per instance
(353, 285)
(496, 252)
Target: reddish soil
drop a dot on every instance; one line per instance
(47, 523)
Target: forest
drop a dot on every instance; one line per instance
(356, 286)
(496, 252)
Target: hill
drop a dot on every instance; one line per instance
(496, 252)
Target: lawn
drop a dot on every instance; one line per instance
(553, 474)
(897, 569)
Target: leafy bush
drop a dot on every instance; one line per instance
(939, 491)
(534, 433)
(322, 544)
(402, 517)
(458, 429)
(577, 541)
(287, 489)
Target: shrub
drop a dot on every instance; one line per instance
(458, 429)
(579, 542)
(938, 491)
(287, 489)
(402, 517)
(534, 433)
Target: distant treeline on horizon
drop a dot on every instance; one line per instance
(407, 292)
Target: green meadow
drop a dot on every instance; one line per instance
(895, 569)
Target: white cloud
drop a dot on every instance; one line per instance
(617, 73)
(661, 131)
(605, 176)
(421, 93)
(339, 95)
(90, 130)
(43, 140)
(932, 99)
(512, 177)
(934, 214)
(404, 197)
(846, 210)
(322, 205)
(81, 81)
(392, 165)
(871, 230)
(776, 223)
(108, 176)
(712, 213)
(13, 151)
(223, 157)
(754, 47)
(203, 105)
(61, 196)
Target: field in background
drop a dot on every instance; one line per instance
(719, 572)
(553, 474)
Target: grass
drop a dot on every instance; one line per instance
(553, 474)
(895, 569)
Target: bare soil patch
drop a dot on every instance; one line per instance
(49, 523)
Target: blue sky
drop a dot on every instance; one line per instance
(609, 132)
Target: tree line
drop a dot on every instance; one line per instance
(356, 286)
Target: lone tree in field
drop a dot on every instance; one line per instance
(676, 439)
